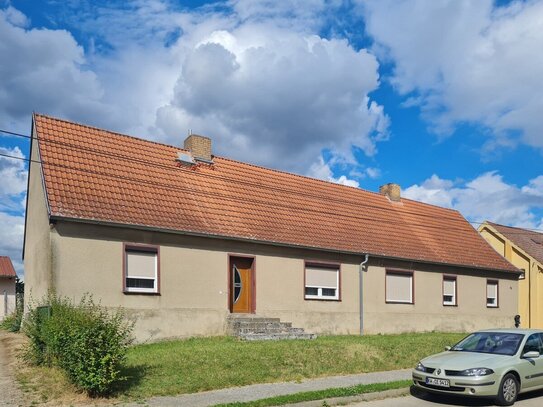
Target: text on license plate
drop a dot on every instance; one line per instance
(437, 382)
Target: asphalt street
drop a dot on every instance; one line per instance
(534, 399)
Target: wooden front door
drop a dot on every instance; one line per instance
(241, 284)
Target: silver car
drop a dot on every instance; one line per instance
(500, 363)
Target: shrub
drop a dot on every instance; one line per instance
(12, 322)
(85, 340)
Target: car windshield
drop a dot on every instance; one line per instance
(499, 343)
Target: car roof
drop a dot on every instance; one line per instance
(522, 331)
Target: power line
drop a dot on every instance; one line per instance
(15, 134)
(154, 184)
(78, 148)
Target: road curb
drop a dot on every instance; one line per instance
(340, 401)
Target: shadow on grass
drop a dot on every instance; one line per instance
(133, 376)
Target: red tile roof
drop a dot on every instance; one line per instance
(6, 267)
(528, 240)
(97, 175)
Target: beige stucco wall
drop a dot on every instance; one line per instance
(194, 281)
(7, 296)
(37, 253)
(194, 286)
(428, 312)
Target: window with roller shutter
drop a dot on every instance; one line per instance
(449, 290)
(399, 287)
(322, 282)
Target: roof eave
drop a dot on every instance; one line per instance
(269, 242)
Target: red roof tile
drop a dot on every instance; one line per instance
(6, 267)
(528, 240)
(97, 175)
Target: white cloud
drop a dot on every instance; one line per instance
(43, 70)
(11, 239)
(322, 170)
(13, 176)
(251, 75)
(466, 61)
(276, 97)
(487, 197)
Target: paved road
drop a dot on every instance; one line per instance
(534, 399)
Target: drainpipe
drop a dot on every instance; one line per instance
(362, 268)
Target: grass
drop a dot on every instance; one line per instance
(199, 364)
(321, 394)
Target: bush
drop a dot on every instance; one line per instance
(12, 322)
(85, 340)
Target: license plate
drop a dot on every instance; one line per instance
(437, 382)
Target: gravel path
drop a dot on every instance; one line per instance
(10, 394)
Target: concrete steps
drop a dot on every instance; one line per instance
(254, 328)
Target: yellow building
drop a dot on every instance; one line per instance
(524, 249)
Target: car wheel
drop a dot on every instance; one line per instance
(508, 391)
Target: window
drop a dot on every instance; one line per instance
(533, 344)
(449, 290)
(141, 269)
(399, 287)
(522, 275)
(321, 282)
(492, 294)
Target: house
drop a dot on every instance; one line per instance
(184, 239)
(524, 249)
(7, 287)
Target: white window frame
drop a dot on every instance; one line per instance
(146, 250)
(406, 274)
(496, 299)
(320, 296)
(453, 302)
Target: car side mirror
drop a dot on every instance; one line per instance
(447, 348)
(531, 355)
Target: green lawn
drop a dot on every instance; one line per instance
(200, 364)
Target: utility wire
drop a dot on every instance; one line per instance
(154, 184)
(157, 165)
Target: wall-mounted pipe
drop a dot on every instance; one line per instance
(361, 270)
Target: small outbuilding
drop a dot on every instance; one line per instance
(8, 278)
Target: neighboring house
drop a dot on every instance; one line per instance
(7, 287)
(182, 239)
(524, 249)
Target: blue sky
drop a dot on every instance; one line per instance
(442, 97)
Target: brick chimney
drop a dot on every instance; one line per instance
(199, 146)
(391, 191)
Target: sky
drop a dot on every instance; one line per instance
(443, 97)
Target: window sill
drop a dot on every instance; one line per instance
(400, 302)
(492, 306)
(323, 299)
(450, 305)
(139, 293)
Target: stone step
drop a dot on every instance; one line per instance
(244, 319)
(241, 331)
(253, 328)
(277, 336)
(260, 327)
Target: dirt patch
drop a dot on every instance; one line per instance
(10, 391)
